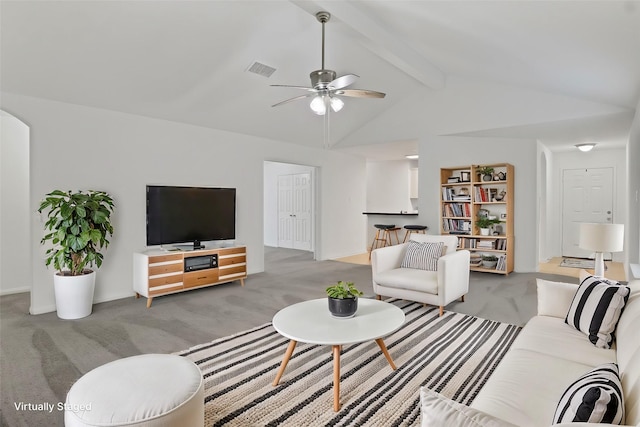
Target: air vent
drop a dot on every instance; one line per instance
(261, 69)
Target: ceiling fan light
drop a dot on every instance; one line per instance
(318, 106)
(336, 104)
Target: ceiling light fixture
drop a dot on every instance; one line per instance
(412, 156)
(585, 147)
(326, 87)
(319, 104)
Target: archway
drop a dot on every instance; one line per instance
(15, 207)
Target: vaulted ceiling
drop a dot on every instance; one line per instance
(559, 71)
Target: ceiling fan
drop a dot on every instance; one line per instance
(326, 88)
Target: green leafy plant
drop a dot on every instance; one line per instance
(78, 225)
(486, 170)
(342, 290)
(489, 258)
(484, 222)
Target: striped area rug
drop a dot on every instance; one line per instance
(453, 354)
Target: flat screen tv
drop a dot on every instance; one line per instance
(190, 215)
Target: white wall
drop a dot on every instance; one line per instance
(76, 147)
(272, 170)
(15, 213)
(596, 158)
(632, 233)
(437, 152)
(546, 220)
(388, 186)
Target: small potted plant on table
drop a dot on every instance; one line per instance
(343, 299)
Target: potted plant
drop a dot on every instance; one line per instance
(484, 223)
(489, 261)
(343, 299)
(486, 172)
(77, 228)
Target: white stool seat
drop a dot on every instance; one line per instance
(147, 390)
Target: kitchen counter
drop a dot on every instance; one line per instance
(399, 219)
(391, 213)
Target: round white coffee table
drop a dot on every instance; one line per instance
(310, 322)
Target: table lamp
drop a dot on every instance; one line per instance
(600, 238)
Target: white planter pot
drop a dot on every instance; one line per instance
(74, 295)
(484, 231)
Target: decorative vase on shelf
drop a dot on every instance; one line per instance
(487, 177)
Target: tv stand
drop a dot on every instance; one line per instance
(157, 273)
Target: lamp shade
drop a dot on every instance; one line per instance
(601, 237)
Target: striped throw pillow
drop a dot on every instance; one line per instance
(596, 308)
(422, 255)
(595, 397)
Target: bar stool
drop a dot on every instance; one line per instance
(414, 229)
(386, 230)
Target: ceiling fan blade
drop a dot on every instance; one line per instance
(296, 87)
(293, 99)
(343, 81)
(360, 93)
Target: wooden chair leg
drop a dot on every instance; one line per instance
(441, 310)
(379, 297)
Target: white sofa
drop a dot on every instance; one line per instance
(439, 288)
(546, 357)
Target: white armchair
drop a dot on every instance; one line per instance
(448, 283)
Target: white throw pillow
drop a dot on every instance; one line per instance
(554, 298)
(595, 397)
(437, 411)
(596, 308)
(422, 255)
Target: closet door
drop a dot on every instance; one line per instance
(294, 211)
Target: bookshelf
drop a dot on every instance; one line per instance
(465, 195)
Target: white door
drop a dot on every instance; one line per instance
(302, 211)
(294, 211)
(285, 211)
(587, 197)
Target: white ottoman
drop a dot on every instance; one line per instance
(147, 390)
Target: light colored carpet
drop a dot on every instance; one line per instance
(454, 354)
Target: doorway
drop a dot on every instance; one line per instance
(587, 196)
(289, 206)
(15, 222)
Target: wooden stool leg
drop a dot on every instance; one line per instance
(375, 241)
(406, 236)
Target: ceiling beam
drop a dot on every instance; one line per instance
(380, 41)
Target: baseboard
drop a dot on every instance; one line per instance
(43, 309)
(15, 291)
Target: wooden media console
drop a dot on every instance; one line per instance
(158, 272)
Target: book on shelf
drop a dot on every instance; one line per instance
(456, 209)
(502, 263)
(475, 260)
(456, 226)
